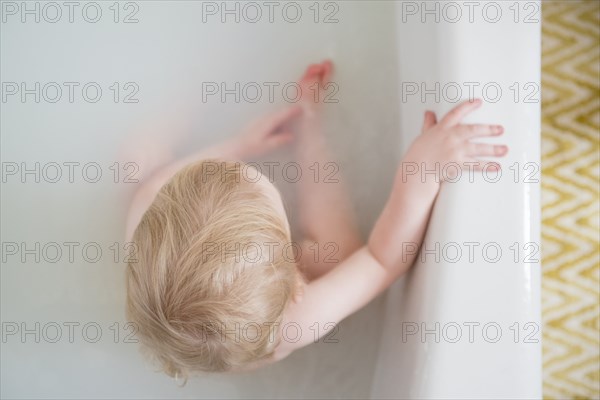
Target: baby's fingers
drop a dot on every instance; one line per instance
(476, 130)
(483, 150)
(429, 120)
(459, 112)
(280, 139)
(283, 116)
(327, 70)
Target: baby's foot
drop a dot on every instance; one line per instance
(315, 83)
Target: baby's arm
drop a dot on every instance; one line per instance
(148, 188)
(260, 137)
(368, 272)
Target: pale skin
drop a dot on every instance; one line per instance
(336, 290)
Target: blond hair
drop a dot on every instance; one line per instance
(201, 309)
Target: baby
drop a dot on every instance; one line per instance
(214, 287)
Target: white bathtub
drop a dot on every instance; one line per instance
(492, 293)
(169, 53)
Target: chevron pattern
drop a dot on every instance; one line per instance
(570, 199)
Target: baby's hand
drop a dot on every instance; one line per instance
(447, 143)
(275, 130)
(268, 133)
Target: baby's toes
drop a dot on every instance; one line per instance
(311, 75)
(313, 70)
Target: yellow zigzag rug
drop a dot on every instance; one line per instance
(570, 198)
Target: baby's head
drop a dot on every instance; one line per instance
(210, 282)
